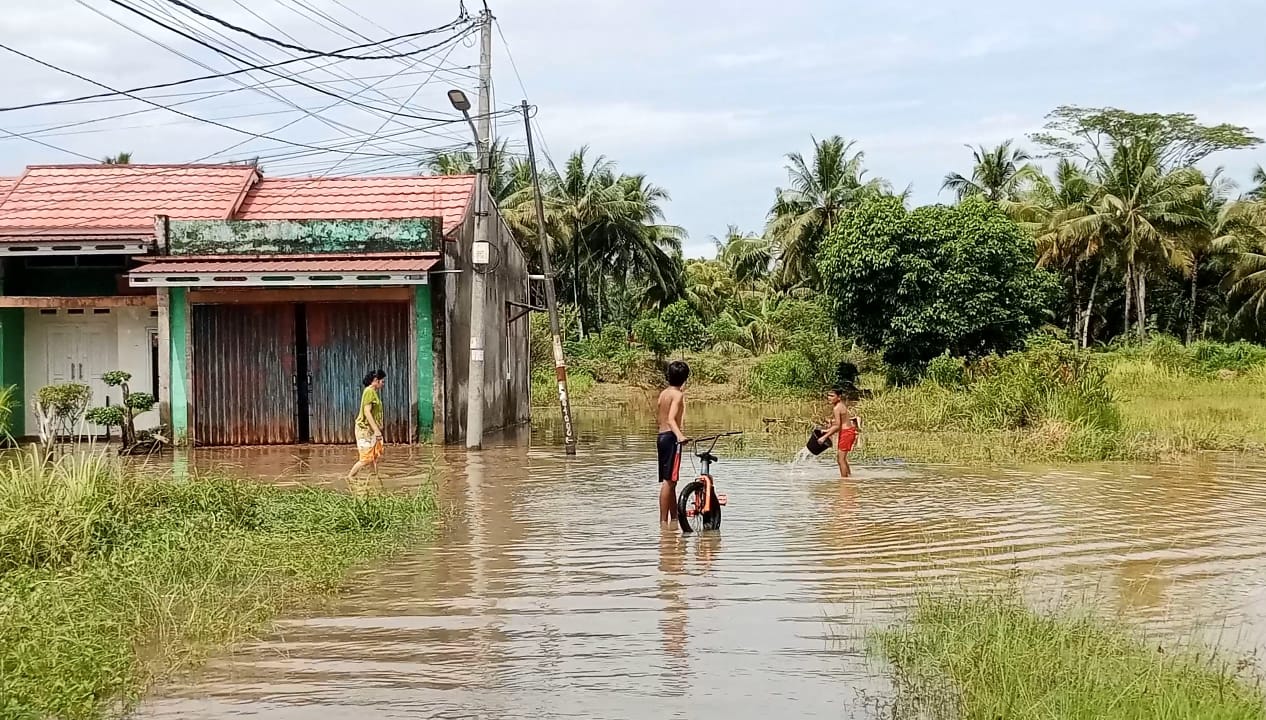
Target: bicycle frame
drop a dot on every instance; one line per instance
(706, 458)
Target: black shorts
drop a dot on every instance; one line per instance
(669, 452)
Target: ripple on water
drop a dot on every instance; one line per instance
(555, 595)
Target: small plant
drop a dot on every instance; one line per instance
(61, 410)
(124, 416)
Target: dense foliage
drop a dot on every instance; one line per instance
(914, 285)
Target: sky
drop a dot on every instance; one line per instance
(704, 98)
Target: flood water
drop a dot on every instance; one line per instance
(551, 593)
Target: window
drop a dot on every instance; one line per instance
(153, 362)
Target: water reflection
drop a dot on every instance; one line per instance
(552, 592)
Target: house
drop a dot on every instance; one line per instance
(251, 306)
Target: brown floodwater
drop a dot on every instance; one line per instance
(550, 591)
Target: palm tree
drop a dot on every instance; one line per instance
(1259, 184)
(507, 174)
(123, 158)
(748, 256)
(997, 174)
(820, 189)
(1226, 227)
(1247, 284)
(1139, 213)
(604, 226)
(1046, 210)
(710, 288)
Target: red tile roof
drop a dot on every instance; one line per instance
(357, 198)
(79, 198)
(243, 264)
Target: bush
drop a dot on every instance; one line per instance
(724, 330)
(948, 372)
(683, 330)
(709, 368)
(784, 374)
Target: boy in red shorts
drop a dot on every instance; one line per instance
(844, 426)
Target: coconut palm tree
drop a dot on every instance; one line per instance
(748, 256)
(710, 288)
(1045, 209)
(819, 190)
(1225, 229)
(123, 158)
(1139, 214)
(1247, 284)
(998, 173)
(1259, 184)
(507, 174)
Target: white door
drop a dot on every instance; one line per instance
(82, 353)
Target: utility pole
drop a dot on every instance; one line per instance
(551, 301)
(483, 237)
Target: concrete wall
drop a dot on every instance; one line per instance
(507, 364)
(269, 237)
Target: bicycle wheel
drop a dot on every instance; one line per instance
(690, 514)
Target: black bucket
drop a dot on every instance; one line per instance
(816, 444)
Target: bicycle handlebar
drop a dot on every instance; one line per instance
(713, 437)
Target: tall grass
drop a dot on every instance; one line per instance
(990, 657)
(110, 578)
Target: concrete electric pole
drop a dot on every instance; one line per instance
(483, 238)
(551, 301)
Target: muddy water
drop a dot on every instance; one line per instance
(552, 593)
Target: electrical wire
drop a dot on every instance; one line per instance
(290, 46)
(232, 56)
(214, 76)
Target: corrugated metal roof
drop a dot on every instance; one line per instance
(225, 265)
(69, 198)
(358, 198)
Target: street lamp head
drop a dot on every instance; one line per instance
(460, 102)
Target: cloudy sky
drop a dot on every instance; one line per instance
(706, 98)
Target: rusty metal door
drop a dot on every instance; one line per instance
(244, 374)
(346, 341)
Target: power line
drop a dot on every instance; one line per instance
(203, 78)
(463, 17)
(211, 46)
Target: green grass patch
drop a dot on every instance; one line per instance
(991, 657)
(111, 579)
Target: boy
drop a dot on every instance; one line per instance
(671, 409)
(845, 424)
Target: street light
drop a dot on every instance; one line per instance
(459, 100)
(479, 261)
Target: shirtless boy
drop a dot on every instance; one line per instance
(671, 410)
(845, 424)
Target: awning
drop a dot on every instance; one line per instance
(285, 270)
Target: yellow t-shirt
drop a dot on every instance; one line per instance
(369, 398)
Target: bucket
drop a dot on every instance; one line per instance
(816, 444)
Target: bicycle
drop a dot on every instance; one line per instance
(699, 505)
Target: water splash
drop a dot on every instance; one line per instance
(804, 457)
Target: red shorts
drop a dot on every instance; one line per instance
(847, 439)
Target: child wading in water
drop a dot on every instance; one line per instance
(671, 409)
(845, 425)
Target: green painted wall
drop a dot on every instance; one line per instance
(178, 314)
(13, 365)
(425, 353)
(269, 237)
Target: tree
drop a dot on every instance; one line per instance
(1139, 213)
(819, 190)
(916, 284)
(710, 288)
(608, 230)
(748, 256)
(997, 174)
(1045, 210)
(1223, 226)
(123, 158)
(1247, 284)
(1259, 184)
(1178, 139)
(507, 174)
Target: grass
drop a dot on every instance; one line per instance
(991, 657)
(112, 579)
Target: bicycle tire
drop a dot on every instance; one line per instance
(697, 522)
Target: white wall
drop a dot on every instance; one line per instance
(118, 340)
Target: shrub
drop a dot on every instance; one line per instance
(683, 330)
(61, 408)
(651, 333)
(948, 372)
(724, 330)
(708, 368)
(784, 374)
